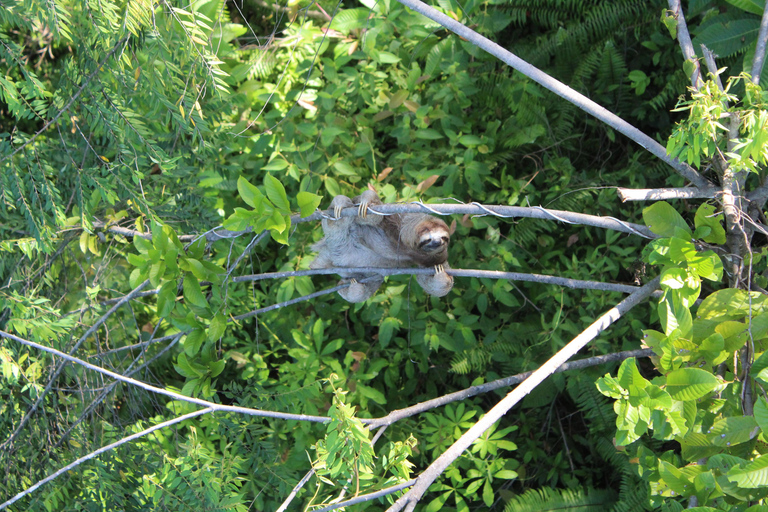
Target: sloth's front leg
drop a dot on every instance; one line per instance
(364, 200)
(437, 284)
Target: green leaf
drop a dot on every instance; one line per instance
(729, 37)
(706, 217)
(428, 134)
(193, 294)
(675, 479)
(193, 341)
(276, 194)
(249, 193)
(217, 327)
(166, 299)
(372, 394)
(752, 475)
(690, 383)
(732, 431)
(731, 304)
(308, 203)
(664, 220)
(386, 330)
(629, 375)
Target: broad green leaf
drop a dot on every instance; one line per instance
(729, 37)
(732, 304)
(166, 299)
(308, 203)
(386, 330)
(663, 219)
(751, 475)
(278, 164)
(184, 368)
(428, 134)
(193, 341)
(276, 194)
(249, 193)
(216, 367)
(372, 394)
(217, 327)
(675, 479)
(732, 431)
(690, 383)
(705, 216)
(629, 375)
(193, 293)
(761, 414)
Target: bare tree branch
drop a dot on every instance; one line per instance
(412, 497)
(560, 89)
(456, 272)
(684, 39)
(658, 194)
(762, 40)
(160, 391)
(102, 450)
(368, 497)
(475, 209)
(709, 60)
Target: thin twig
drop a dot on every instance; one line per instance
(102, 450)
(160, 391)
(411, 498)
(659, 194)
(560, 89)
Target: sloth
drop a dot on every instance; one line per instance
(387, 241)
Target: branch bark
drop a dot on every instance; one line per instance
(165, 392)
(560, 89)
(686, 46)
(659, 194)
(409, 500)
(762, 41)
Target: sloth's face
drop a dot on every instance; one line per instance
(433, 237)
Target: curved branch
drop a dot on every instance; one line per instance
(102, 450)
(560, 89)
(412, 497)
(160, 391)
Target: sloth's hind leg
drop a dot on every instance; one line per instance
(360, 292)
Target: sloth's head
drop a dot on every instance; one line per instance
(433, 235)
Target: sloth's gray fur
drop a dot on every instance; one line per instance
(390, 241)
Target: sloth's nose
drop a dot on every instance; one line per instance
(432, 243)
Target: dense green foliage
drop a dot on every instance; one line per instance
(174, 119)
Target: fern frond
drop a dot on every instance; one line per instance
(570, 500)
